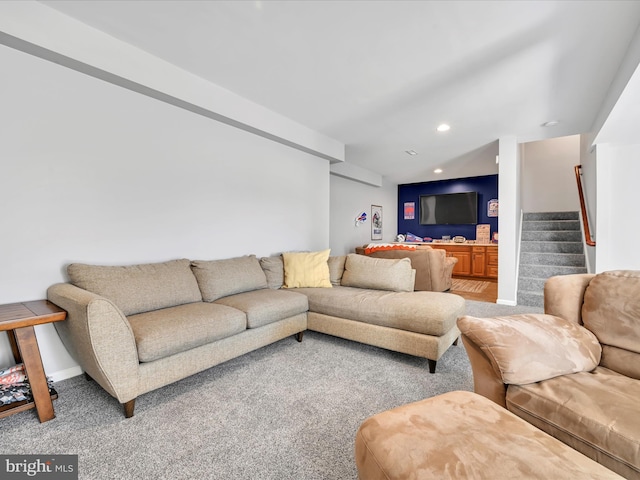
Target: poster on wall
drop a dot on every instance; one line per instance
(376, 222)
(492, 207)
(409, 210)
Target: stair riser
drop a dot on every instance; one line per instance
(559, 236)
(526, 284)
(530, 299)
(551, 247)
(558, 259)
(546, 226)
(551, 216)
(544, 271)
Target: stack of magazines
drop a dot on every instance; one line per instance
(14, 385)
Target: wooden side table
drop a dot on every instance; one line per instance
(18, 320)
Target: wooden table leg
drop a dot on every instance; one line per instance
(14, 346)
(28, 344)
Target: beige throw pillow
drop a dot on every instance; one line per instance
(362, 271)
(221, 278)
(306, 269)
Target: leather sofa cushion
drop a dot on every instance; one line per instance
(611, 310)
(267, 306)
(532, 347)
(594, 412)
(139, 288)
(461, 435)
(219, 278)
(165, 332)
(430, 313)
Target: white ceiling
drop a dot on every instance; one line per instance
(381, 75)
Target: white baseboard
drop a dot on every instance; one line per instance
(64, 374)
(510, 303)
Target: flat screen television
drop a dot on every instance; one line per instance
(449, 209)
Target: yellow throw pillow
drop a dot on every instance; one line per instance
(306, 269)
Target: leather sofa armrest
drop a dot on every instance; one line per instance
(486, 381)
(564, 294)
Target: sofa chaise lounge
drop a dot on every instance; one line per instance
(137, 328)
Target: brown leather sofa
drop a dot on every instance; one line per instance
(433, 267)
(573, 372)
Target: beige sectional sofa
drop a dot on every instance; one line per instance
(137, 328)
(573, 372)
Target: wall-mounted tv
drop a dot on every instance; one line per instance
(449, 209)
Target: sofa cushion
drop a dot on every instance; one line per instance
(611, 310)
(172, 330)
(306, 269)
(267, 306)
(273, 268)
(594, 412)
(430, 313)
(336, 268)
(528, 348)
(219, 278)
(139, 288)
(380, 274)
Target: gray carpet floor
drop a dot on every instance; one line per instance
(287, 411)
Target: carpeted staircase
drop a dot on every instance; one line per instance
(551, 245)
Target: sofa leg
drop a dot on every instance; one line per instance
(455, 342)
(128, 408)
(432, 365)
(88, 377)
(299, 336)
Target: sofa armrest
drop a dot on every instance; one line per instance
(486, 380)
(441, 269)
(564, 294)
(99, 337)
(530, 348)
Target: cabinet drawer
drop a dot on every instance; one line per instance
(492, 271)
(492, 258)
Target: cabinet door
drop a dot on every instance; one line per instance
(463, 267)
(478, 264)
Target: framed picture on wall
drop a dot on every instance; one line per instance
(376, 222)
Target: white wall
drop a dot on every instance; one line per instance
(348, 199)
(509, 219)
(548, 178)
(91, 172)
(618, 226)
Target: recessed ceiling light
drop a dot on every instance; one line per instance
(443, 127)
(550, 123)
(437, 170)
(411, 152)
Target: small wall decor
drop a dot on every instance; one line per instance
(361, 218)
(492, 207)
(409, 210)
(376, 222)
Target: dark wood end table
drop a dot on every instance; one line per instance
(18, 320)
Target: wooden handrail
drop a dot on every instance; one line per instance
(583, 208)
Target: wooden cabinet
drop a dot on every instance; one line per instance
(478, 262)
(475, 261)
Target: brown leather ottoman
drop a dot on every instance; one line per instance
(464, 435)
